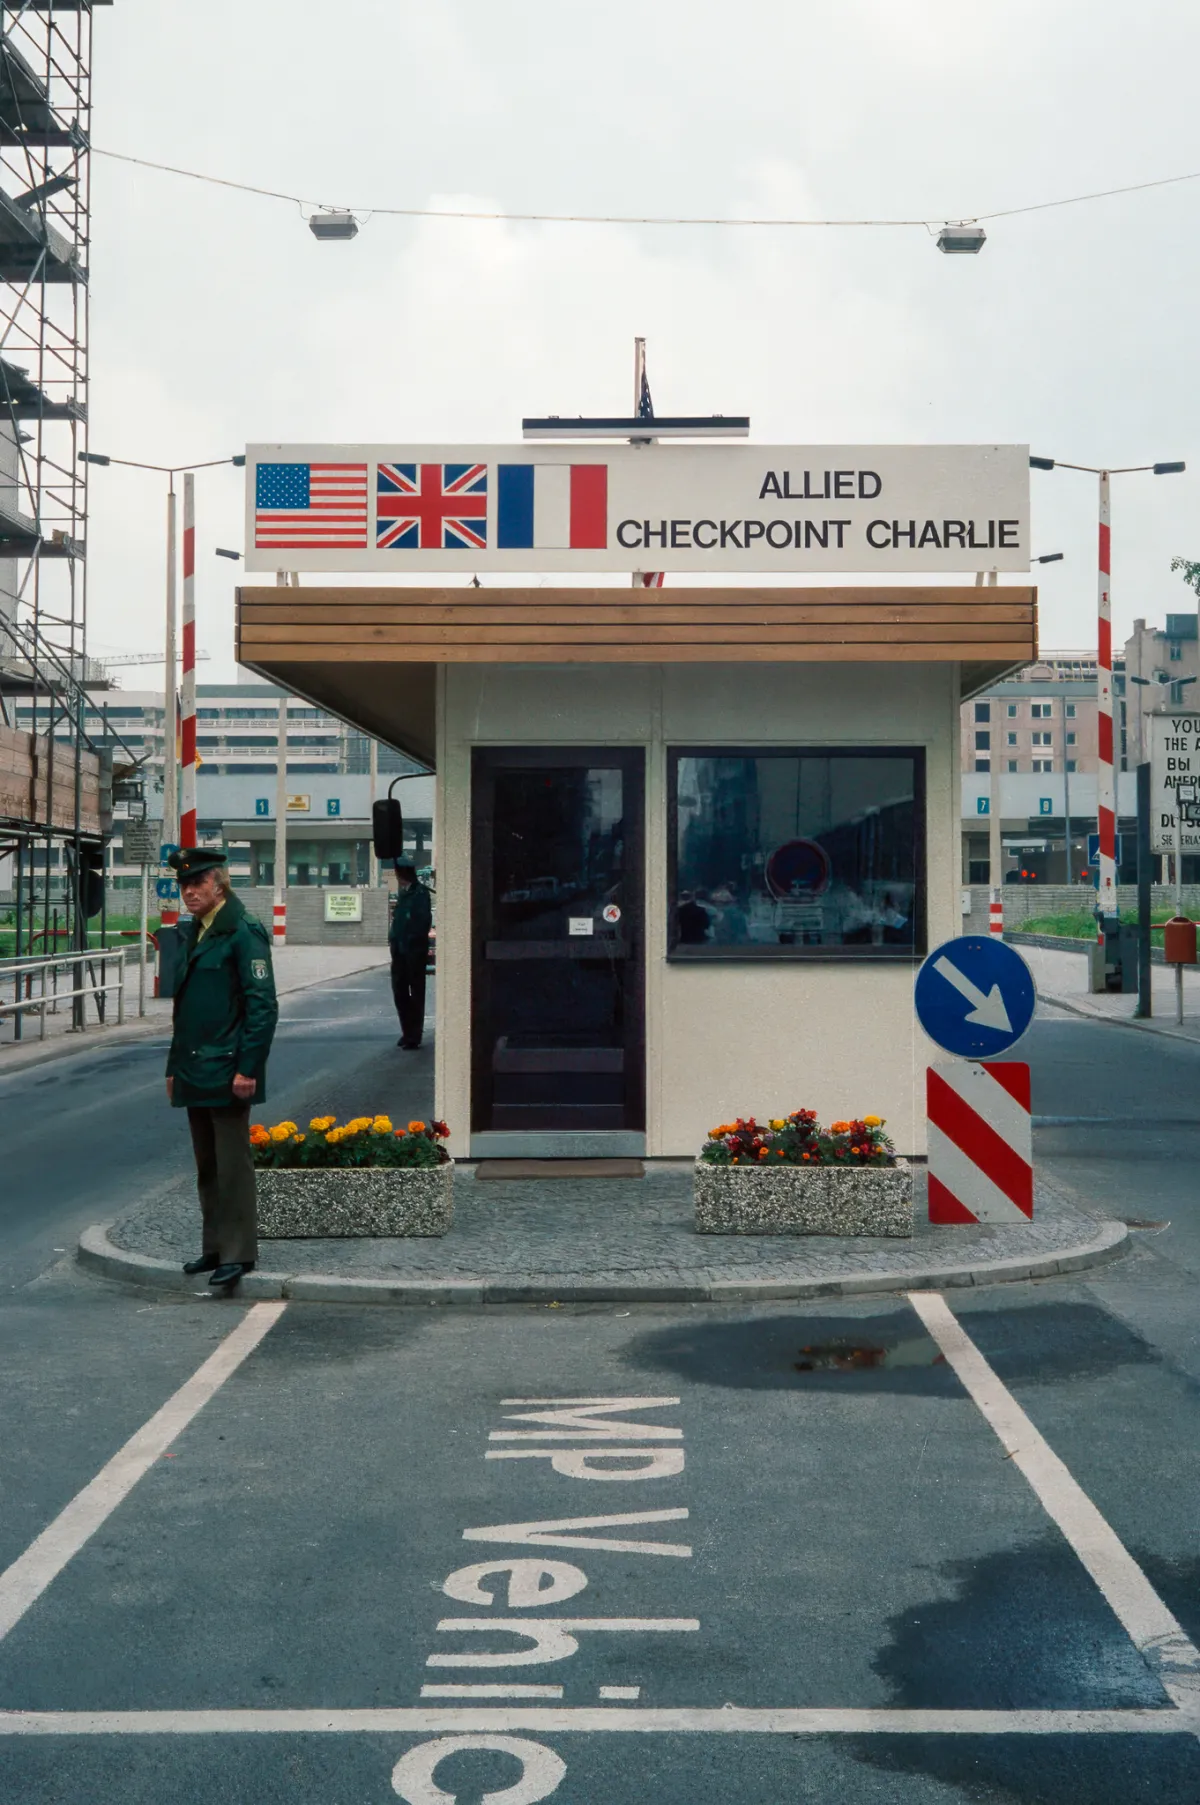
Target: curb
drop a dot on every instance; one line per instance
(96, 1253)
(1143, 1026)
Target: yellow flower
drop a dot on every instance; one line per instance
(381, 1125)
(297, 1140)
(280, 1134)
(776, 1124)
(873, 1121)
(321, 1122)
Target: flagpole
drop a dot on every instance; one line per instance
(643, 408)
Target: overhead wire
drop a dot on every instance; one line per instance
(634, 219)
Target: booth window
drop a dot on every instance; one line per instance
(796, 854)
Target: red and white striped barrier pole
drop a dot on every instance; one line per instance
(980, 1142)
(279, 924)
(996, 914)
(187, 701)
(1106, 792)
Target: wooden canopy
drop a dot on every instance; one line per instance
(369, 654)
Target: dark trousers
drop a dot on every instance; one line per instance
(408, 990)
(225, 1177)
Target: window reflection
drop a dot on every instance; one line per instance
(796, 851)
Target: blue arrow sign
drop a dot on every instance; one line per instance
(975, 996)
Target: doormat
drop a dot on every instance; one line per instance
(560, 1168)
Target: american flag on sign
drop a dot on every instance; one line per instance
(431, 507)
(312, 507)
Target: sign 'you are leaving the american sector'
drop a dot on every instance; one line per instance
(449, 509)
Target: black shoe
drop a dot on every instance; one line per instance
(411, 1046)
(229, 1275)
(402, 1042)
(206, 1263)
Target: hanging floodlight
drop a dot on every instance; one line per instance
(956, 240)
(329, 223)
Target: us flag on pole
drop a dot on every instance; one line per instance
(313, 507)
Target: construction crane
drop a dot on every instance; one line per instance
(127, 658)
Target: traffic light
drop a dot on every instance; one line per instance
(91, 881)
(387, 828)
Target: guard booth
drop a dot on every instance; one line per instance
(691, 841)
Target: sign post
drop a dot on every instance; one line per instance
(975, 997)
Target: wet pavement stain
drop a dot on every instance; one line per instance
(885, 1353)
(1027, 1630)
(851, 1357)
(1043, 1770)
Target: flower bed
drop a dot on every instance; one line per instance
(793, 1177)
(364, 1178)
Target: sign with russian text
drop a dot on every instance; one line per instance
(1174, 760)
(343, 905)
(453, 510)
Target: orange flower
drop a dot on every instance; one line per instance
(416, 1128)
(762, 1152)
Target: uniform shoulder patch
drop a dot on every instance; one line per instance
(259, 968)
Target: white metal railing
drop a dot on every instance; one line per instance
(37, 986)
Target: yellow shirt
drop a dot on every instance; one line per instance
(206, 921)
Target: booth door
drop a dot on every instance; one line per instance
(557, 1029)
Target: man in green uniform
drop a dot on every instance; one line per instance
(224, 1020)
(408, 940)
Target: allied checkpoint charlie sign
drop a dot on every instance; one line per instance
(535, 507)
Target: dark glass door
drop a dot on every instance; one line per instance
(557, 1030)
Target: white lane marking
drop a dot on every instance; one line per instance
(723, 1720)
(553, 1638)
(505, 1691)
(620, 1692)
(969, 1182)
(22, 1584)
(547, 1533)
(542, 1771)
(578, 1463)
(1155, 1632)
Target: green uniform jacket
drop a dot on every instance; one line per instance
(225, 1010)
(412, 918)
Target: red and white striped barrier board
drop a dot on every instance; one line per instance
(980, 1142)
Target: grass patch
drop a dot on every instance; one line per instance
(1080, 924)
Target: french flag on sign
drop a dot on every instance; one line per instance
(552, 507)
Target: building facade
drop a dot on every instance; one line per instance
(1030, 742)
(329, 783)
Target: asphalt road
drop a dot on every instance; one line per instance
(86, 1133)
(859, 1540)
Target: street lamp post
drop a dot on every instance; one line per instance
(1106, 787)
(176, 828)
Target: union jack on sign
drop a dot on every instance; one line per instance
(428, 507)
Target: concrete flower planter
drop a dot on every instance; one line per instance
(803, 1200)
(355, 1201)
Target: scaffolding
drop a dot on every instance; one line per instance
(55, 776)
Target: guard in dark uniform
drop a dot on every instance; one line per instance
(408, 942)
(224, 1021)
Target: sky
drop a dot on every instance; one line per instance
(218, 319)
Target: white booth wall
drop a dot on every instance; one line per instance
(722, 1039)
